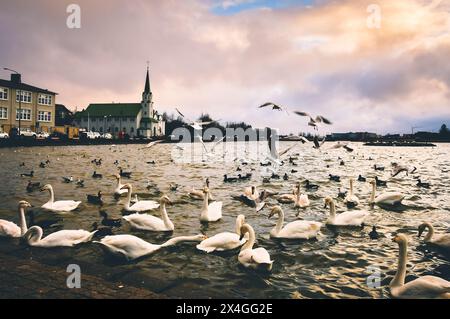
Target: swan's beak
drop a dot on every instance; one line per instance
(325, 206)
(242, 236)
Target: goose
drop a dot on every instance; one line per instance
(131, 247)
(387, 198)
(210, 212)
(226, 240)
(257, 258)
(95, 199)
(380, 182)
(111, 222)
(9, 229)
(423, 287)
(62, 238)
(349, 218)
(299, 229)
(119, 191)
(438, 240)
(152, 223)
(31, 187)
(60, 205)
(96, 175)
(351, 200)
(140, 206)
(421, 184)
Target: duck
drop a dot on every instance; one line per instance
(68, 179)
(421, 184)
(119, 191)
(341, 194)
(110, 222)
(60, 205)
(97, 175)
(386, 198)
(62, 238)
(293, 171)
(95, 199)
(210, 212)
(31, 187)
(130, 247)
(351, 200)
(226, 240)
(310, 186)
(30, 174)
(285, 177)
(299, 229)
(425, 287)
(437, 240)
(378, 168)
(80, 183)
(11, 230)
(101, 231)
(227, 179)
(349, 218)
(374, 234)
(140, 206)
(257, 258)
(361, 178)
(152, 223)
(335, 178)
(380, 182)
(247, 176)
(124, 174)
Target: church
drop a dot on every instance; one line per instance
(119, 119)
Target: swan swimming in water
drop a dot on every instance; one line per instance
(140, 206)
(423, 287)
(152, 223)
(438, 240)
(351, 200)
(257, 258)
(299, 229)
(210, 212)
(60, 205)
(119, 191)
(9, 229)
(226, 240)
(62, 238)
(349, 218)
(386, 198)
(131, 247)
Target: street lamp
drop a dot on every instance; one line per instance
(20, 98)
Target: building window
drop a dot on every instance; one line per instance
(44, 116)
(3, 113)
(132, 130)
(23, 114)
(45, 99)
(23, 96)
(3, 94)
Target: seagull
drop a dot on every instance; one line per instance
(273, 105)
(209, 153)
(194, 124)
(313, 122)
(318, 144)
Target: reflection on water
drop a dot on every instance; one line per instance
(334, 266)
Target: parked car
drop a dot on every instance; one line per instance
(43, 135)
(4, 135)
(58, 136)
(23, 133)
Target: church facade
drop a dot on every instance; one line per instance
(132, 119)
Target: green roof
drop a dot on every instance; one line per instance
(146, 119)
(110, 109)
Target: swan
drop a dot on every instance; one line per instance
(198, 193)
(118, 191)
(351, 200)
(131, 247)
(386, 198)
(301, 200)
(62, 238)
(440, 240)
(349, 218)
(152, 223)
(9, 229)
(299, 229)
(140, 206)
(210, 212)
(422, 287)
(226, 240)
(257, 258)
(60, 205)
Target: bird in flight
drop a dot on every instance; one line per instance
(194, 124)
(314, 121)
(274, 106)
(317, 143)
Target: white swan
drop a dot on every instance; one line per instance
(387, 198)
(60, 205)
(226, 240)
(351, 200)
(9, 229)
(422, 287)
(118, 191)
(299, 229)
(301, 200)
(349, 218)
(140, 206)
(439, 240)
(131, 247)
(257, 258)
(198, 193)
(287, 198)
(62, 238)
(152, 223)
(210, 212)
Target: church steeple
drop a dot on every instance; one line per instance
(147, 83)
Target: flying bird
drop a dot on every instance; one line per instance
(314, 121)
(194, 124)
(317, 143)
(273, 105)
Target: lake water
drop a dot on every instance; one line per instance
(334, 266)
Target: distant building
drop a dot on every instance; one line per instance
(352, 136)
(36, 110)
(63, 116)
(133, 119)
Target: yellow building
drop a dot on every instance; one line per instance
(26, 106)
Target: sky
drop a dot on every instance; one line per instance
(227, 57)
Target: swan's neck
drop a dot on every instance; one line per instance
(238, 226)
(33, 235)
(430, 232)
(164, 216)
(205, 204)
(251, 240)
(52, 196)
(372, 195)
(280, 222)
(399, 279)
(179, 239)
(119, 183)
(23, 221)
(332, 210)
(351, 188)
(127, 205)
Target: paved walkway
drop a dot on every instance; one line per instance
(30, 279)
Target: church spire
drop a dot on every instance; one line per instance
(147, 82)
